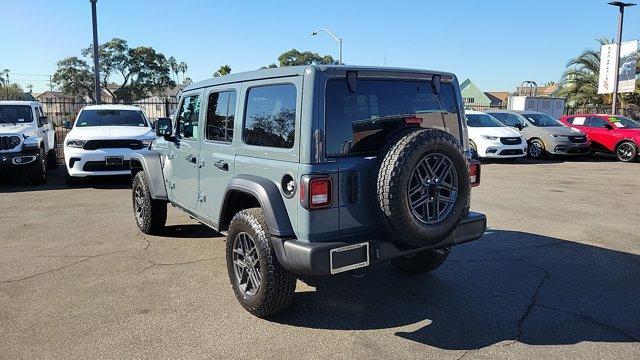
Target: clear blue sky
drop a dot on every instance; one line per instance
(497, 44)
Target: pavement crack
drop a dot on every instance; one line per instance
(153, 263)
(533, 298)
(590, 319)
(86, 258)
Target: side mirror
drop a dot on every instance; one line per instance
(66, 124)
(163, 127)
(43, 120)
(519, 126)
(608, 126)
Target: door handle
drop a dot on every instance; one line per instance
(222, 165)
(192, 159)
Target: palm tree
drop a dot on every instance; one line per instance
(6, 76)
(173, 65)
(223, 70)
(580, 80)
(30, 87)
(182, 67)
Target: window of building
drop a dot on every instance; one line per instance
(270, 116)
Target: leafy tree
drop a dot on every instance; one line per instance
(10, 91)
(580, 81)
(270, 66)
(223, 70)
(187, 81)
(294, 57)
(135, 72)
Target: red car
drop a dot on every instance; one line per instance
(609, 133)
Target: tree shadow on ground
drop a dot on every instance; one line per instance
(11, 183)
(507, 286)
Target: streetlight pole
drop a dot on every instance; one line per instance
(621, 5)
(339, 40)
(96, 60)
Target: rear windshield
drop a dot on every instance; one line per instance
(482, 120)
(111, 118)
(17, 114)
(360, 122)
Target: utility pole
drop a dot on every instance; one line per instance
(96, 60)
(50, 83)
(621, 5)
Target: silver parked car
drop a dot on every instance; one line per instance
(545, 135)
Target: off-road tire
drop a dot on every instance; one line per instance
(634, 150)
(277, 285)
(38, 171)
(543, 152)
(398, 158)
(421, 262)
(153, 213)
(52, 159)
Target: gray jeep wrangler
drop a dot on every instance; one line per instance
(315, 170)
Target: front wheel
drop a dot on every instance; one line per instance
(536, 149)
(261, 285)
(38, 171)
(627, 151)
(150, 214)
(421, 262)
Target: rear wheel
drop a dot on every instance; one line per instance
(38, 171)
(150, 214)
(627, 151)
(261, 285)
(536, 149)
(421, 262)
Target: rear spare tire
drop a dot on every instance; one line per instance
(422, 186)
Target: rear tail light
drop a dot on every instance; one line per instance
(474, 173)
(315, 192)
(413, 121)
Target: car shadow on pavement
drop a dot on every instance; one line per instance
(55, 181)
(509, 286)
(190, 231)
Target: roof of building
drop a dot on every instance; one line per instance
(500, 95)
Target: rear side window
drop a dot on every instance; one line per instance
(596, 122)
(270, 116)
(188, 117)
(221, 109)
(360, 122)
(569, 120)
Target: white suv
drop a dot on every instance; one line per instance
(27, 140)
(489, 138)
(103, 139)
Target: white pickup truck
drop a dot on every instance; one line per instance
(27, 140)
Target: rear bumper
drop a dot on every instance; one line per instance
(313, 258)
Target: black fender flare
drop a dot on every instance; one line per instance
(270, 199)
(149, 161)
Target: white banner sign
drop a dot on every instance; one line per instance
(626, 70)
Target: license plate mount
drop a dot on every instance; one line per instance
(114, 160)
(349, 257)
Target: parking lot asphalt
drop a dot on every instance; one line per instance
(557, 275)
